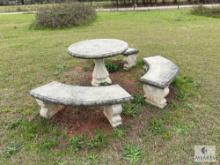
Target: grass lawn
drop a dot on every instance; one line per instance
(29, 58)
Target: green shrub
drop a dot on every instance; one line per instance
(77, 142)
(157, 126)
(131, 109)
(48, 144)
(132, 153)
(138, 100)
(104, 84)
(111, 67)
(206, 11)
(32, 129)
(185, 87)
(83, 142)
(98, 140)
(12, 149)
(64, 15)
(118, 132)
(93, 159)
(140, 63)
(15, 124)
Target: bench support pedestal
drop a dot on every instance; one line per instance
(48, 109)
(100, 73)
(156, 96)
(112, 112)
(130, 61)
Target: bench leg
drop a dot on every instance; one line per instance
(112, 112)
(48, 109)
(100, 73)
(130, 61)
(156, 96)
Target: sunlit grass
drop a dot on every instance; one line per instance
(30, 58)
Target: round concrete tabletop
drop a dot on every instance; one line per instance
(97, 48)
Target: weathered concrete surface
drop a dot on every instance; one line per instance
(112, 113)
(100, 73)
(130, 51)
(129, 61)
(63, 94)
(97, 48)
(155, 96)
(47, 109)
(53, 96)
(161, 71)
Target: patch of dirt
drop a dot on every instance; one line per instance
(172, 95)
(79, 76)
(126, 81)
(86, 120)
(82, 120)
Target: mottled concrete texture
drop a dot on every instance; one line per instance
(129, 61)
(130, 57)
(97, 48)
(63, 94)
(47, 109)
(130, 51)
(53, 96)
(155, 96)
(160, 73)
(112, 113)
(100, 73)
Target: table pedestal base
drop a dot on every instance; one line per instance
(100, 74)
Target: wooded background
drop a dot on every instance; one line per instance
(124, 3)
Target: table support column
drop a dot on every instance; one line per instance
(100, 74)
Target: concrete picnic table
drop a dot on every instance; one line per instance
(98, 49)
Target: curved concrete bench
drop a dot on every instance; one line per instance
(53, 96)
(160, 73)
(130, 58)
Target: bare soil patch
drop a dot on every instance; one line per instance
(86, 120)
(82, 120)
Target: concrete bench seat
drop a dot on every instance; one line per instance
(130, 51)
(160, 73)
(130, 57)
(53, 96)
